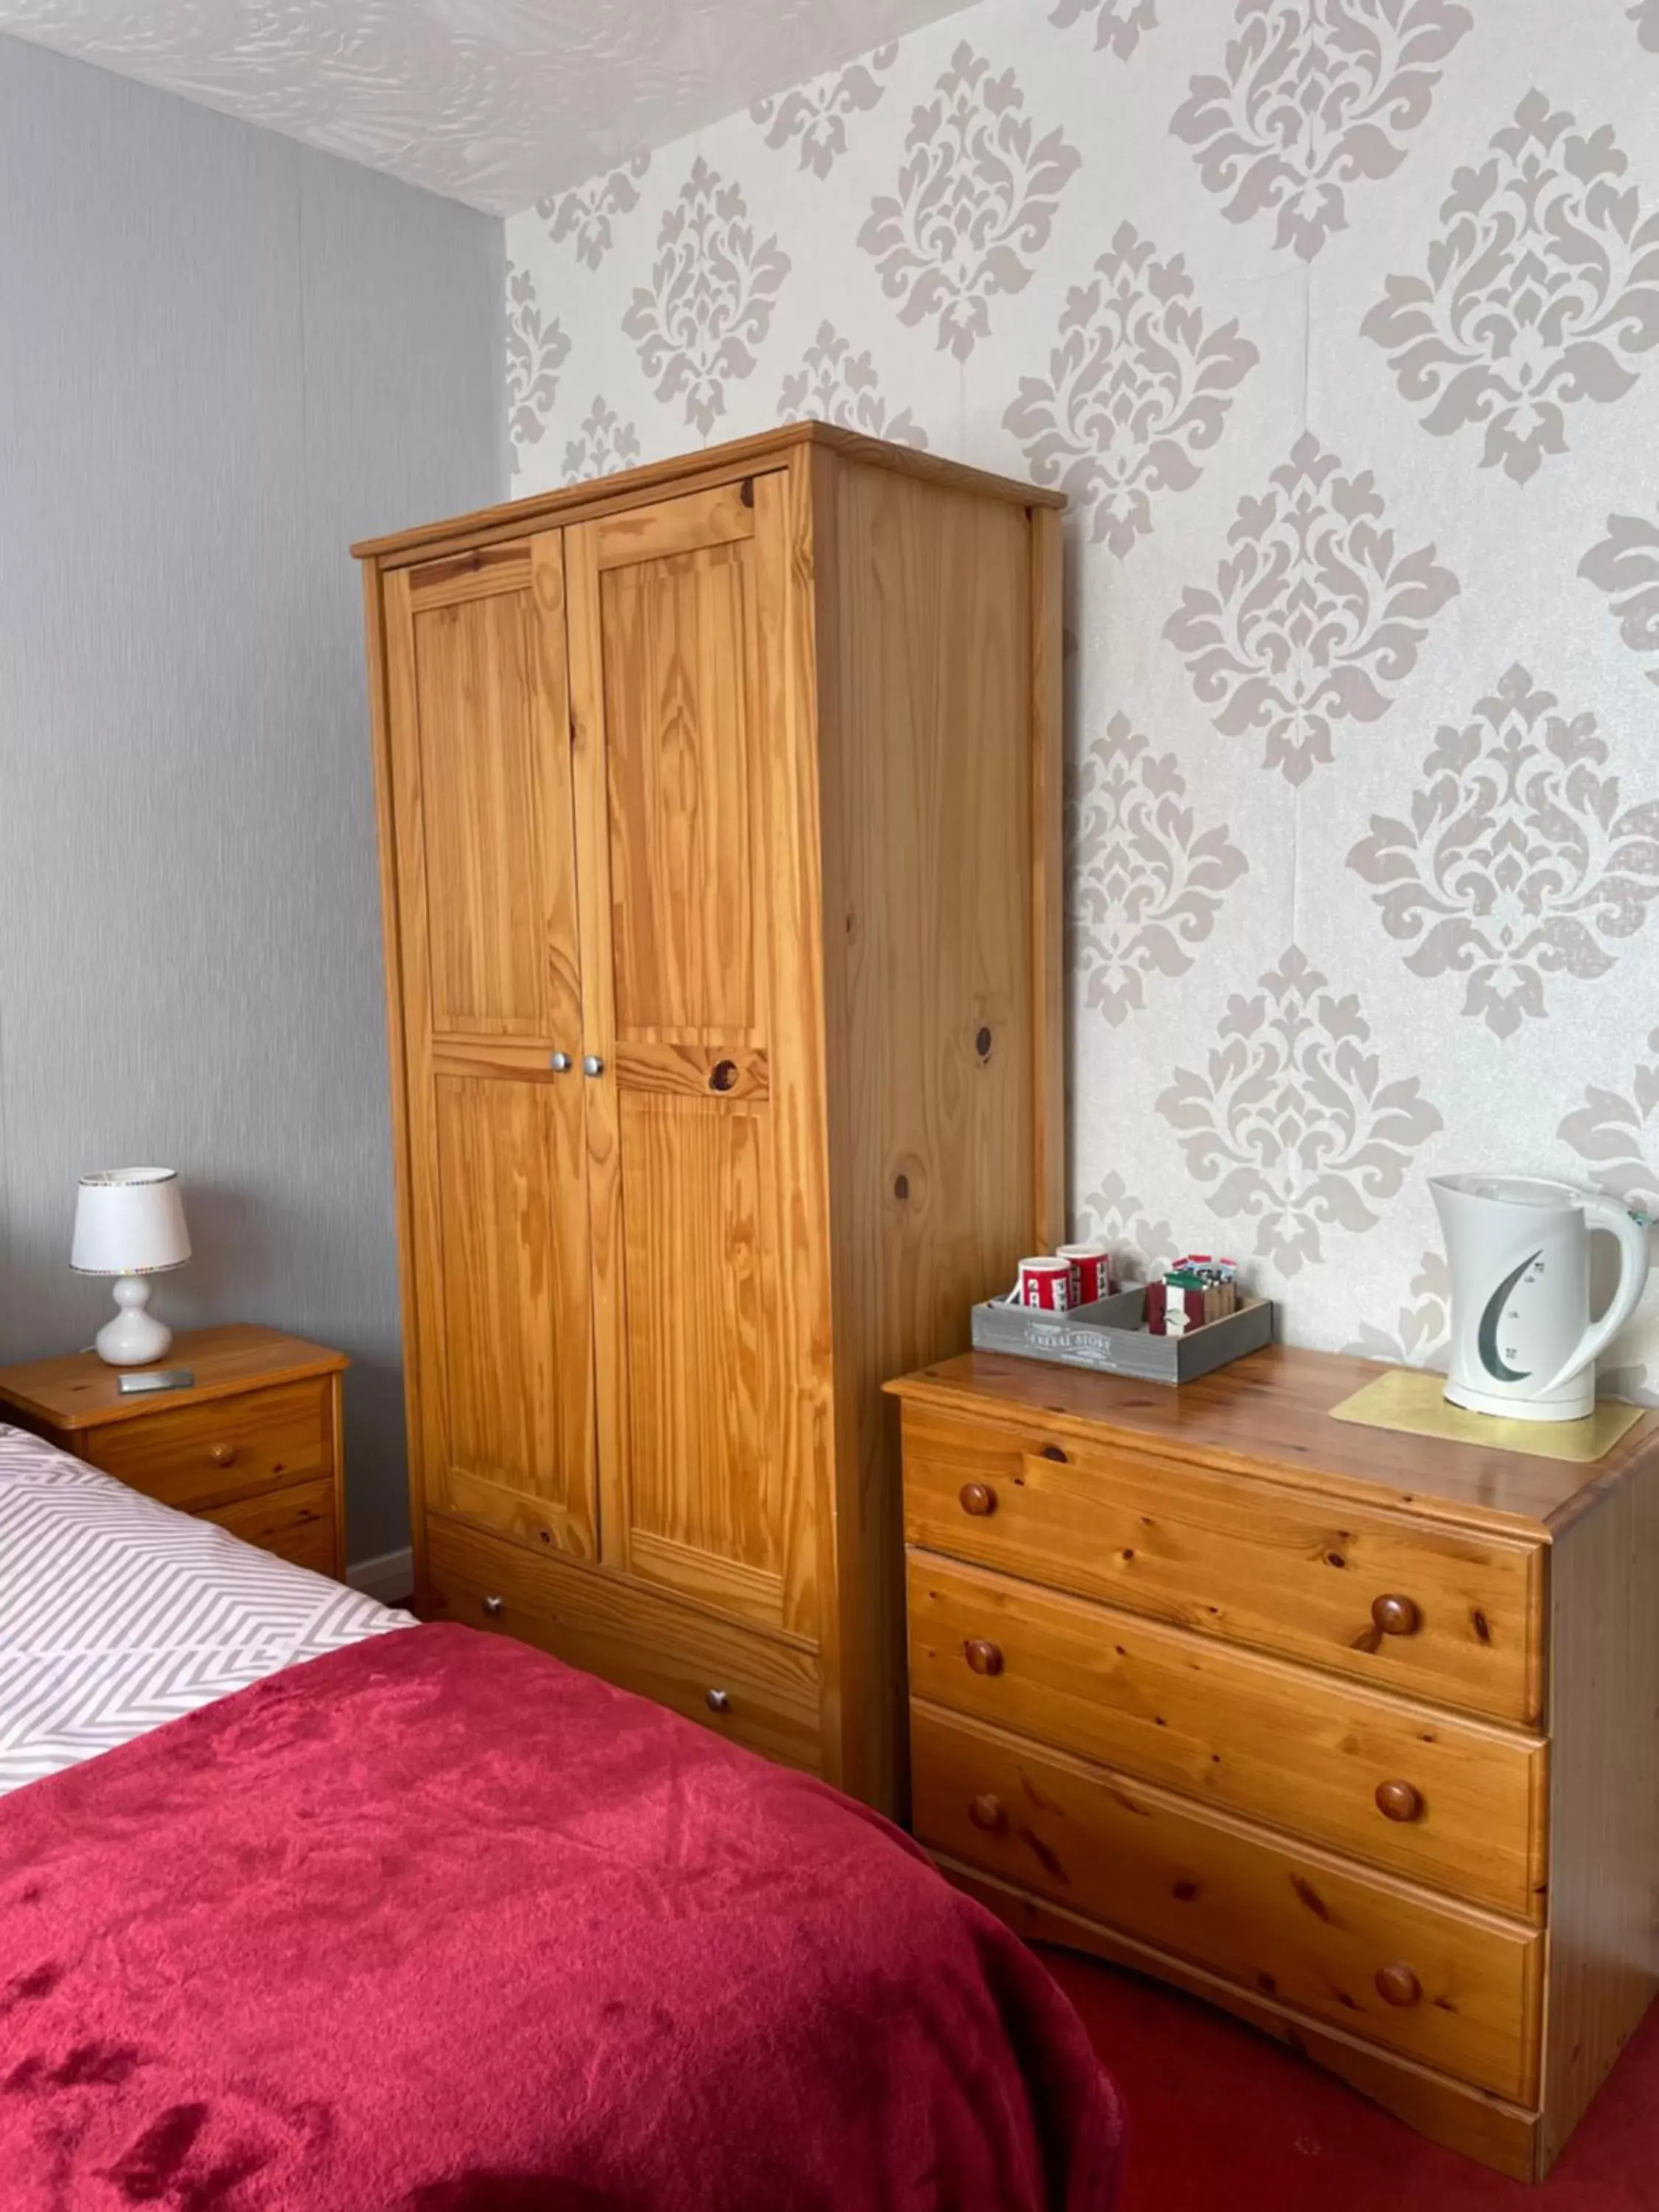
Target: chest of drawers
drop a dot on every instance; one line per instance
(1353, 1733)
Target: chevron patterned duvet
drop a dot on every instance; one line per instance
(116, 1614)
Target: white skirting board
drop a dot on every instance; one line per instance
(390, 1578)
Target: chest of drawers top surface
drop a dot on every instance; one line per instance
(1268, 1416)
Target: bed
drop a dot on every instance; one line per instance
(305, 1907)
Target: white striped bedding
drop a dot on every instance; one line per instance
(117, 1613)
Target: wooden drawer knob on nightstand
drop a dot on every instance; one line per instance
(222, 1454)
(977, 1498)
(1398, 1985)
(985, 1811)
(1396, 1616)
(982, 1655)
(1399, 1801)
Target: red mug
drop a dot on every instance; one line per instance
(1091, 1271)
(1046, 1284)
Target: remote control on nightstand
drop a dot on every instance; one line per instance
(156, 1378)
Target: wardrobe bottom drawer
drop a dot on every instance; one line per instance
(753, 1688)
(1457, 1988)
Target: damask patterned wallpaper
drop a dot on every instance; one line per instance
(1339, 321)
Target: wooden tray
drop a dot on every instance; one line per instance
(1107, 1335)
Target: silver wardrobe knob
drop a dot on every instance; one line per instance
(719, 1701)
(494, 1607)
(558, 1062)
(592, 1064)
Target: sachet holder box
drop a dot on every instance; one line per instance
(1108, 1336)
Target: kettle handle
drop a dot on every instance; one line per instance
(1603, 1213)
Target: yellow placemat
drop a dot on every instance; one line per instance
(1412, 1399)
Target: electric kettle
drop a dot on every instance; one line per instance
(1522, 1342)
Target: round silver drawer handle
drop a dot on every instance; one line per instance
(592, 1064)
(558, 1062)
(719, 1701)
(494, 1607)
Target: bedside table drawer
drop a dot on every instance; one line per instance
(1263, 1564)
(1447, 1801)
(1455, 1989)
(297, 1525)
(206, 1455)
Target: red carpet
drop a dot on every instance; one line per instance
(1221, 2119)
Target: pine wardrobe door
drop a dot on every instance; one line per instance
(681, 772)
(478, 709)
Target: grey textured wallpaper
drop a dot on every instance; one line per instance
(1338, 320)
(222, 357)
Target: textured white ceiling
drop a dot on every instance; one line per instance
(495, 102)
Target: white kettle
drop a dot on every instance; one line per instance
(1522, 1342)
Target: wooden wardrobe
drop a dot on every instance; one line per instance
(719, 836)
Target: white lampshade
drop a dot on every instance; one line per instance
(130, 1221)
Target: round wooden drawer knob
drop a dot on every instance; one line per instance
(1398, 1985)
(1396, 1616)
(222, 1454)
(985, 1811)
(977, 1498)
(1398, 1801)
(982, 1655)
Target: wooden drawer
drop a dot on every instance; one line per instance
(1257, 1563)
(1282, 1744)
(297, 1524)
(1310, 1930)
(228, 1448)
(632, 1637)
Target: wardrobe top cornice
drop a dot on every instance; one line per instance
(519, 517)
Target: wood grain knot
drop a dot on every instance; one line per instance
(901, 1187)
(1308, 1895)
(722, 1075)
(1056, 1452)
(746, 491)
(982, 1044)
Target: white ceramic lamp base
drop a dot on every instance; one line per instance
(133, 1338)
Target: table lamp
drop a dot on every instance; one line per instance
(130, 1223)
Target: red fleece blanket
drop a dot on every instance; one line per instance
(436, 1924)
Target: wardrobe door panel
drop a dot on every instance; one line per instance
(702, 1349)
(672, 695)
(496, 820)
(678, 641)
(482, 800)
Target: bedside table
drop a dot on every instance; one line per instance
(256, 1445)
